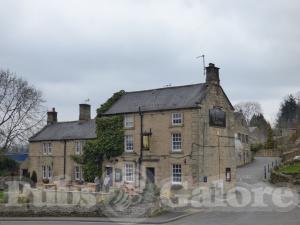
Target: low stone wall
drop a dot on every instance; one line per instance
(288, 156)
(277, 178)
(52, 203)
(280, 178)
(29, 210)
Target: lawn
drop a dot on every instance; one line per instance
(292, 169)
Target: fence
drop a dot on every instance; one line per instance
(268, 153)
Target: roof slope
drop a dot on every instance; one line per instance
(74, 130)
(169, 98)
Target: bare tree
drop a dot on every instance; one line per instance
(21, 111)
(249, 109)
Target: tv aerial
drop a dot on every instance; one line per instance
(203, 60)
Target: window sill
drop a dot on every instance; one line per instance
(128, 128)
(130, 152)
(176, 125)
(176, 152)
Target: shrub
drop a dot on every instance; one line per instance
(8, 166)
(46, 181)
(34, 177)
(256, 147)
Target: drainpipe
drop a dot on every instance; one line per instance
(141, 147)
(65, 157)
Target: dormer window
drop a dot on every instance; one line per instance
(177, 119)
(128, 121)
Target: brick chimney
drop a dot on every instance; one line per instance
(51, 117)
(84, 112)
(212, 74)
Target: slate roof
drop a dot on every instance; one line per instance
(74, 130)
(179, 97)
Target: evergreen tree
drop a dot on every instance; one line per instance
(34, 177)
(270, 141)
(287, 116)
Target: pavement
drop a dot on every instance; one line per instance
(251, 176)
(164, 218)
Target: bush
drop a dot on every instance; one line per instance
(46, 181)
(256, 147)
(34, 177)
(176, 187)
(8, 166)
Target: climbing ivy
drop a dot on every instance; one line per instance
(109, 142)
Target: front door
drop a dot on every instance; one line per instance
(150, 175)
(109, 172)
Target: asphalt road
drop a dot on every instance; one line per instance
(250, 176)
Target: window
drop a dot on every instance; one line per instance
(176, 142)
(243, 138)
(44, 171)
(47, 148)
(78, 173)
(129, 172)
(239, 136)
(47, 172)
(176, 118)
(128, 143)
(247, 139)
(78, 147)
(176, 174)
(128, 121)
(228, 174)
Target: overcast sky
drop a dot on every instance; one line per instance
(76, 50)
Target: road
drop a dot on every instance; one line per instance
(250, 176)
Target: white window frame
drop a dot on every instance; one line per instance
(47, 148)
(47, 171)
(129, 172)
(78, 172)
(177, 119)
(44, 172)
(128, 121)
(176, 141)
(129, 146)
(78, 147)
(44, 148)
(176, 173)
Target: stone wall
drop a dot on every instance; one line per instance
(268, 153)
(37, 159)
(206, 151)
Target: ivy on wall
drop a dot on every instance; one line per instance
(109, 142)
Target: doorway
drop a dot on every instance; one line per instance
(150, 175)
(109, 172)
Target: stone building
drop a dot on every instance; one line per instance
(176, 135)
(51, 149)
(242, 140)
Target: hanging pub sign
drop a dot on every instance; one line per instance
(217, 117)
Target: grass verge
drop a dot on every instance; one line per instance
(291, 169)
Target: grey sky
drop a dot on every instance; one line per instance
(74, 50)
